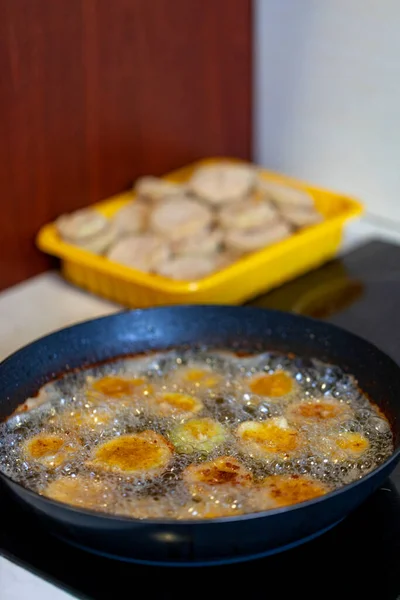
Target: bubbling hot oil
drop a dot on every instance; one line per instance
(226, 391)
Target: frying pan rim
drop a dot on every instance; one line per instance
(393, 458)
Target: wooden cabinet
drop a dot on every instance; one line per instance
(94, 93)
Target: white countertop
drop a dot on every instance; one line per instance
(46, 303)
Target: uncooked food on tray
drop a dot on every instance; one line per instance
(187, 231)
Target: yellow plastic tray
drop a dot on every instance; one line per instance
(246, 278)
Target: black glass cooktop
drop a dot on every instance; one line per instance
(358, 559)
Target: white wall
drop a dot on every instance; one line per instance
(327, 97)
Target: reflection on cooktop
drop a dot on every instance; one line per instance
(360, 292)
(358, 559)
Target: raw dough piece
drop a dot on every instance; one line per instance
(206, 242)
(249, 240)
(80, 224)
(178, 217)
(144, 252)
(132, 218)
(251, 212)
(218, 184)
(188, 268)
(285, 195)
(300, 217)
(88, 229)
(155, 188)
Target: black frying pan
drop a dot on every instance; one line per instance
(220, 540)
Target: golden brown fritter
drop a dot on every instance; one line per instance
(319, 412)
(220, 471)
(80, 491)
(196, 377)
(284, 490)
(144, 454)
(345, 445)
(79, 419)
(114, 387)
(175, 404)
(268, 439)
(218, 487)
(274, 385)
(50, 450)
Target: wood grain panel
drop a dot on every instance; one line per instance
(94, 93)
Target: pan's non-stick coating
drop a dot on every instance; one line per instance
(237, 328)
